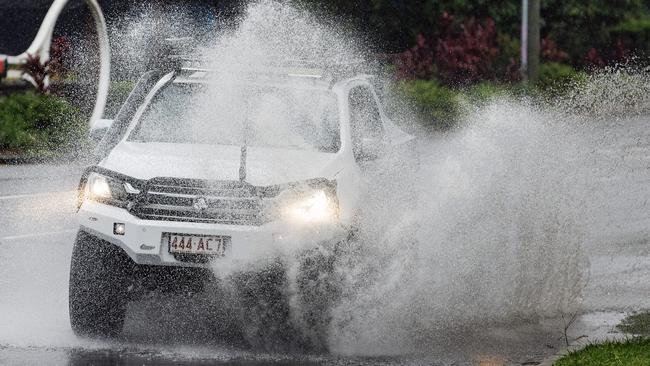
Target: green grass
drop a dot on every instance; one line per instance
(633, 351)
(630, 352)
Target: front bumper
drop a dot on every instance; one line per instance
(143, 242)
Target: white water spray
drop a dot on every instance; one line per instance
(495, 237)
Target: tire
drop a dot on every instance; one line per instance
(100, 275)
(264, 312)
(267, 319)
(318, 289)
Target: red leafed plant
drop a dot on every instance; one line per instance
(466, 55)
(58, 53)
(551, 52)
(416, 62)
(622, 52)
(593, 59)
(37, 72)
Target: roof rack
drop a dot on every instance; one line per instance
(291, 68)
(185, 57)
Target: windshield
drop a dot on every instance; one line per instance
(265, 116)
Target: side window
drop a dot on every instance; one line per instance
(365, 120)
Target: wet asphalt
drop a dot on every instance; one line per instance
(37, 230)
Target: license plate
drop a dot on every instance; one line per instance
(214, 245)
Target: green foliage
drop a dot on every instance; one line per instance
(635, 31)
(638, 324)
(557, 78)
(485, 92)
(399, 22)
(576, 25)
(441, 106)
(40, 125)
(631, 352)
(438, 105)
(632, 26)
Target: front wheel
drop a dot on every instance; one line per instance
(100, 275)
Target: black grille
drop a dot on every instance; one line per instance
(235, 203)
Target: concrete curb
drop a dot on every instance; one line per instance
(551, 360)
(22, 159)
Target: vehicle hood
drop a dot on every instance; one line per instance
(264, 166)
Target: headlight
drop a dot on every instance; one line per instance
(105, 189)
(314, 206)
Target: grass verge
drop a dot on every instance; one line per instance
(633, 351)
(630, 352)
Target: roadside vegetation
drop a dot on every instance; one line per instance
(444, 57)
(440, 106)
(630, 352)
(637, 324)
(45, 121)
(40, 125)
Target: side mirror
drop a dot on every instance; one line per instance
(370, 149)
(99, 129)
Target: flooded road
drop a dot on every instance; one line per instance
(36, 241)
(37, 229)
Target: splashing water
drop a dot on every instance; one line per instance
(494, 235)
(497, 232)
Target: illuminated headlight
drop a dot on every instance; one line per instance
(102, 188)
(315, 206)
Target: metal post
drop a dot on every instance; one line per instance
(533, 40)
(524, 39)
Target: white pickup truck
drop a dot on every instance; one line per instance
(178, 192)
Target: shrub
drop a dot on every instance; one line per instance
(441, 106)
(635, 31)
(53, 68)
(467, 55)
(556, 77)
(437, 104)
(59, 55)
(593, 60)
(36, 71)
(575, 25)
(551, 52)
(507, 65)
(484, 92)
(40, 125)
(416, 62)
